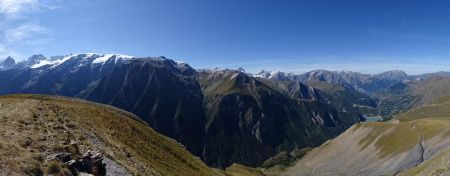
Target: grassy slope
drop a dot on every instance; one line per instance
(35, 127)
(440, 164)
(390, 147)
(440, 109)
(431, 90)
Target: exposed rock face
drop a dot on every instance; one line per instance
(89, 163)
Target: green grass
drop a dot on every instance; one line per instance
(394, 138)
(398, 138)
(440, 109)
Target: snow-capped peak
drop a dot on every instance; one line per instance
(264, 74)
(96, 58)
(53, 63)
(105, 57)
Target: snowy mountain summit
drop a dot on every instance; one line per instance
(92, 58)
(42, 62)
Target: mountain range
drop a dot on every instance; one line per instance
(392, 91)
(227, 116)
(220, 116)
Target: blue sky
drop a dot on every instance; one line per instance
(289, 35)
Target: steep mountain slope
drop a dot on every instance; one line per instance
(249, 121)
(163, 93)
(295, 89)
(414, 142)
(48, 135)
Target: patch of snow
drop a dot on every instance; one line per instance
(100, 58)
(54, 62)
(123, 56)
(41, 63)
(105, 57)
(265, 74)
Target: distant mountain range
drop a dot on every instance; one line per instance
(222, 116)
(364, 83)
(393, 91)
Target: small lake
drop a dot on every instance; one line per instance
(372, 118)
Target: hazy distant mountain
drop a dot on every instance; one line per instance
(391, 91)
(282, 76)
(7, 63)
(437, 74)
(365, 83)
(393, 75)
(264, 74)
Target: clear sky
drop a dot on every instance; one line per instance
(368, 36)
